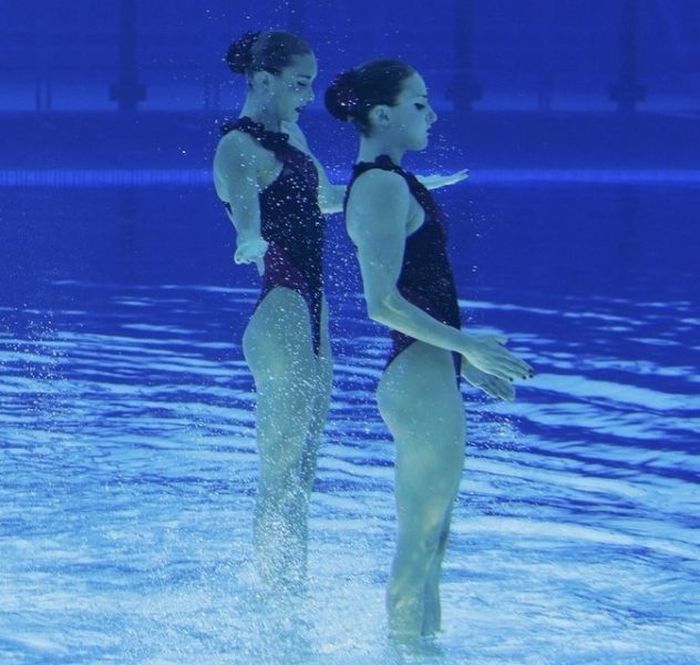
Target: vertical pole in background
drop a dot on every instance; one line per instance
(627, 91)
(42, 94)
(127, 91)
(464, 90)
(295, 20)
(542, 13)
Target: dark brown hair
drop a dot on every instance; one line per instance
(355, 92)
(265, 51)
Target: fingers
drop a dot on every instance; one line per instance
(456, 177)
(519, 368)
(508, 365)
(503, 374)
(514, 368)
(436, 181)
(498, 388)
(504, 391)
(259, 262)
(252, 251)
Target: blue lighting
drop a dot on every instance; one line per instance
(103, 177)
(82, 178)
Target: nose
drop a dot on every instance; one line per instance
(432, 116)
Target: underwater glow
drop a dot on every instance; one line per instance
(155, 177)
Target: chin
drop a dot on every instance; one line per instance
(422, 144)
(416, 144)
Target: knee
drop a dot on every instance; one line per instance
(281, 475)
(429, 542)
(285, 437)
(428, 536)
(439, 528)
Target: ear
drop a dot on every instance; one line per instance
(261, 80)
(380, 115)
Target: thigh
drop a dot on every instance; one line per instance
(322, 387)
(418, 394)
(420, 402)
(325, 358)
(277, 342)
(278, 347)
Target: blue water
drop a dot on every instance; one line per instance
(128, 459)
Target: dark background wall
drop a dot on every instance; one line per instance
(526, 54)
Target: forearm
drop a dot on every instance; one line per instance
(436, 181)
(247, 227)
(401, 315)
(250, 245)
(428, 181)
(331, 199)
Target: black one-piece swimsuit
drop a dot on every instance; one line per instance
(426, 278)
(291, 222)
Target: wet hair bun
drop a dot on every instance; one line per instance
(341, 97)
(239, 56)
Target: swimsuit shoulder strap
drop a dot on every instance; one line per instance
(276, 142)
(418, 190)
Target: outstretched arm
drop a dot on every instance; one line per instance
(235, 178)
(330, 196)
(437, 180)
(376, 218)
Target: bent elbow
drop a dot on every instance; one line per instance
(374, 312)
(381, 309)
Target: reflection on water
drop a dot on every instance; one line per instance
(128, 467)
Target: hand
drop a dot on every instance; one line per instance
(490, 384)
(436, 181)
(252, 251)
(486, 352)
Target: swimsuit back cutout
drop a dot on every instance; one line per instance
(291, 222)
(426, 278)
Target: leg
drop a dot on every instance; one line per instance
(321, 404)
(277, 346)
(420, 403)
(320, 398)
(433, 612)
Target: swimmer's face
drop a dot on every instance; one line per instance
(292, 88)
(411, 115)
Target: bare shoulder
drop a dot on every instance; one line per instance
(377, 211)
(378, 186)
(237, 150)
(237, 163)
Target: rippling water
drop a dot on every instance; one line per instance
(128, 468)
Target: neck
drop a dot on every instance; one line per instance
(372, 147)
(259, 113)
